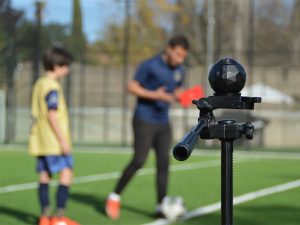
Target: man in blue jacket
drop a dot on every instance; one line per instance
(157, 83)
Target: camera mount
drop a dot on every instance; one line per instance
(227, 78)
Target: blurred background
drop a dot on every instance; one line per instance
(110, 38)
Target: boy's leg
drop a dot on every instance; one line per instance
(43, 195)
(65, 179)
(43, 192)
(62, 194)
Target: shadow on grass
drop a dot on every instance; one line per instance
(253, 215)
(274, 214)
(98, 203)
(24, 217)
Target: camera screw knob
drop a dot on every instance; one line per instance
(248, 129)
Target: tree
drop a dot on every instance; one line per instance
(77, 42)
(8, 23)
(237, 35)
(147, 41)
(190, 19)
(147, 33)
(296, 33)
(241, 29)
(273, 39)
(51, 34)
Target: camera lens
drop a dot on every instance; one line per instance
(227, 76)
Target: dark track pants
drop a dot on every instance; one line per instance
(147, 135)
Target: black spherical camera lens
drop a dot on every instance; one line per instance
(227, 76)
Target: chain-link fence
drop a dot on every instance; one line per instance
(97, 115)
(101, 109)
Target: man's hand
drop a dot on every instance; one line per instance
(162, 95)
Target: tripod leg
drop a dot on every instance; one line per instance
(226, 182)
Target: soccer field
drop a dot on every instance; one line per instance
(266, 188)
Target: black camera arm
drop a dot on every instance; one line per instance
(184, 148)
(207, 129)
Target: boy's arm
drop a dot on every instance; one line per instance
(52, 117)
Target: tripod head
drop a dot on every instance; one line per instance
(227, 78)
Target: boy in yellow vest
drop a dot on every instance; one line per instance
(50, 139)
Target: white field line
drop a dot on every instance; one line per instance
(114, 175)
(241, 155)
(198, 152)
(236, 154)
(237, 200)
(251, 154)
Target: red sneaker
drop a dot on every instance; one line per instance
(112, 207)
(44, 220)
(63, 221)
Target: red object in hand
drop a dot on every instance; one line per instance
(193, 93)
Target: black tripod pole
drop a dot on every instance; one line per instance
(226, 181)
